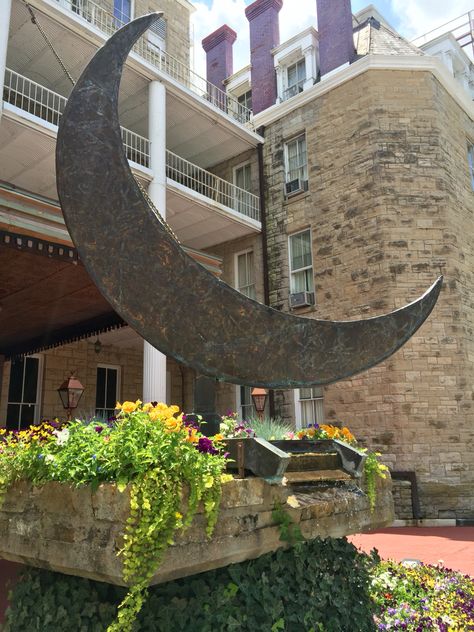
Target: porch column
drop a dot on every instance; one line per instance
(154, 362)
(4, 29)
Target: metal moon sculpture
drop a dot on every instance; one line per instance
(167, 297)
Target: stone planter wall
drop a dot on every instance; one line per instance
(75, 531)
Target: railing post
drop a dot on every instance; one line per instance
(4, 30)
(154, 362)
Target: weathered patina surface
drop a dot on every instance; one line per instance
(161, 292)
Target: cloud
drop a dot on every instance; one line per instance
(420, 16)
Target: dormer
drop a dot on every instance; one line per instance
(447, 48)
(296, 64)
(239, 86)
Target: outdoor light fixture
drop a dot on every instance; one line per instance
(97, 346)
(259, 398)
(70, 393)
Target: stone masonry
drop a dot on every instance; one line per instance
(390, 205)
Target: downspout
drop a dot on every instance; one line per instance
(263, 219)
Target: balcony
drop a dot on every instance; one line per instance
(107, 23)
(293, 90)
(202, 208)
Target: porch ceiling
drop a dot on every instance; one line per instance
(46, 301)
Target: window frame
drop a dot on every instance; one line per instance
(298, 270)
(236, 272)
(116, 367)
(299, 83)
(116, 11)
(39, 388)
(302, 170)
(299, 408)
(470, 161)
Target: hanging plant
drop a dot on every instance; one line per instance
(167, 465)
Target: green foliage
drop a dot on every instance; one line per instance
(317, 586)
(270, 428)
(289, 531)
(152, 449)
(373, 469)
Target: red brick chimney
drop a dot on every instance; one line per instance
(264, 35)
(219, 60)
(336, 39)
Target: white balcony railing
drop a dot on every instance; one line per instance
(47, 105)
(108, 23)
(31, 97)
(211, 186)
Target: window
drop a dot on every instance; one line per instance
(243, 180)
(157, 34)
(123, 10)
(244, 402)
(296, 165)
(23, 392)
(301, 262)
(107, 390)
(309, 407)
(470, 159)
(245, 274)
(295, 78)
(245, 99)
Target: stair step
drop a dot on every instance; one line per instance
(310, 476)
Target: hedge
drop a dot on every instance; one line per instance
(316, 586)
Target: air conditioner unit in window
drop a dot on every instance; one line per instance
(157, 34)
(301, 299)
(296, 186)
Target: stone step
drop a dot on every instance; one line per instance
(310, 476)
(314, 461)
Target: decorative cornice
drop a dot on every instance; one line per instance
(412, 63)
(223, 34)
(260, 6)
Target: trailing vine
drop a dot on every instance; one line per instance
(373, 469)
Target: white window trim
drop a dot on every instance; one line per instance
(470, 161)
(238, 403)
(240, 166)
(297, 402)
(39, 386)
(236, 268)
(287, 169)
(290, 271)
(118, 368)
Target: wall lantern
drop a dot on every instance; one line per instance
(97, 346)
(259, 398)
(70, 393)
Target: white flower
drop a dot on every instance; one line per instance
(49, 458)
(62, 436)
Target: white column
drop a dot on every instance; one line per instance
(154, 362)
(309, 67)
(4, 29)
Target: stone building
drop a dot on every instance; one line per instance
(332, 177)
(368, 198)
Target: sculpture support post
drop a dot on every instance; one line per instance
(4, 29)
(154, 362)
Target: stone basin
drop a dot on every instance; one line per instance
(78, 532)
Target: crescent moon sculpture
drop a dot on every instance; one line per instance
(167, 297)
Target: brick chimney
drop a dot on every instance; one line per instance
(336, 40)
(264, 35)
(218, 48)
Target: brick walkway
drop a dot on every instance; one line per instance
(453, 545)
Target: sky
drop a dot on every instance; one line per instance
(411, 18)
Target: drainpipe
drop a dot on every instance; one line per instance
(263, 219)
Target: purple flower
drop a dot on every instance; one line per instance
(206, 446)
(99, 429)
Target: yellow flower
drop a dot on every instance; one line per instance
(129, 407)
(118, 406)
(178, 515)
(147, 407)
(218, 437)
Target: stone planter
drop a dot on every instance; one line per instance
(76, 531)
(322, 454)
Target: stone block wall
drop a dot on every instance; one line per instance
(390, 207)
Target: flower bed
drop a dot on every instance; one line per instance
(421, 597)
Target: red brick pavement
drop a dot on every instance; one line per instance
(453, 545)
